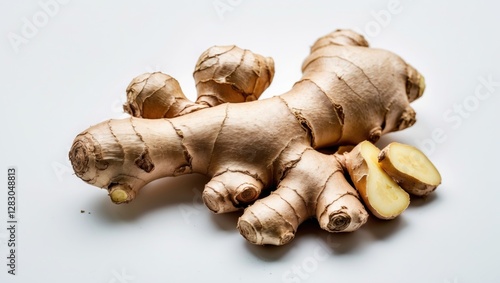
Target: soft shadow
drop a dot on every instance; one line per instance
(345, 243)
(337, 243)
(383, 229)
(175, 191)
(374, 230)
(384, 141)
(268, 253)
(227, 221)
(417, 202)
(155, 195)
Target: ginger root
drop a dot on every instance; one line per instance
(348, 93)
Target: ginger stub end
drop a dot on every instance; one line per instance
(121, 193)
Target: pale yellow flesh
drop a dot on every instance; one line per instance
(412, 162)
(119, 196)
(382, 193)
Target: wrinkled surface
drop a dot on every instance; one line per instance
(348, 93)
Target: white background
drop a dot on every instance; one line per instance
(71, 71)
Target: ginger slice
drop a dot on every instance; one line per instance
(381, 194)
(410, 167)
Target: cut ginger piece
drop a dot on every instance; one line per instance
(381, 194)
(411, 169)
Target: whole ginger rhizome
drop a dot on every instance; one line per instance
(349, 95)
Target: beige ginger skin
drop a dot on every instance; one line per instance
(348, 93)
